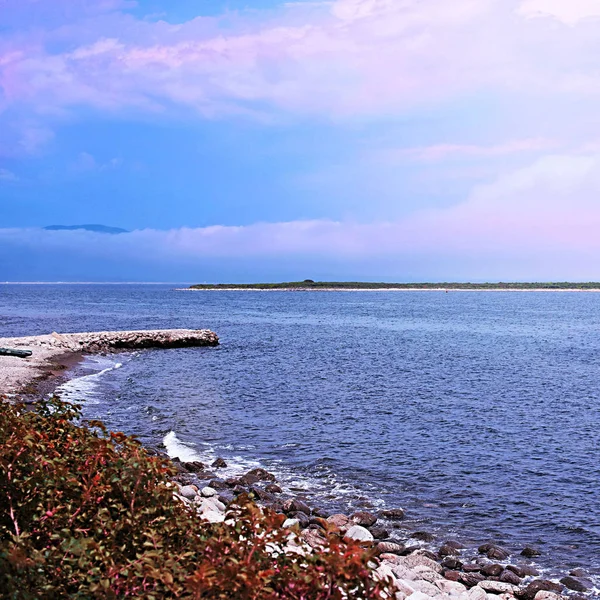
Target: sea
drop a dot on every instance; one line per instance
(477, 412)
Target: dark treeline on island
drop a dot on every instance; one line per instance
(309, 284)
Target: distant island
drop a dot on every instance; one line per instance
(309, 284)
(94, 228)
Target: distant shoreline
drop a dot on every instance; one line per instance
(375, 288)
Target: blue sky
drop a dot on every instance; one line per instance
(372, 139)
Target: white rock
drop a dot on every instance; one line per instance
(427, 574)
(477, 593)
(359, 534)
(424, 586)
(498, 587)
(454, 588)
(289, 523)
(209, 492)
(384, 571)
(211, 504)
(417, 560)
(545, 595)
(212, 516)
(419, 596)
(402, 572)
(404, 586)
(188, 491)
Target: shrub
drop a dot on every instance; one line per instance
(86, 513)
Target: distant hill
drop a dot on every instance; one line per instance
(95, 228)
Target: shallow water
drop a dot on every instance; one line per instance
(477, 412)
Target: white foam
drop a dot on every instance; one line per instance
(178, 449)
(82, 389)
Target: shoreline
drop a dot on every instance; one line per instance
(55, 353)
(442, 290)
(414, 565)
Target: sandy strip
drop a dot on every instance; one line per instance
(54, 352)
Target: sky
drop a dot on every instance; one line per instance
(260, 140)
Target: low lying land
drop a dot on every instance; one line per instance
(53, 350)
(352, 286)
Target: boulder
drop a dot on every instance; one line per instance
(219, 463)
(452, 563)
(313, 538)
(447, 550)
(393, 514)
(273, 488)
(510, 577)
(575, 584)
(423, 536)
(450, 587)
(289, 523)
(295, 505)
(492, 570)
(578, 573)
(358, 533)
(379, 532)
(364, 519)
(470, 579)
(471, 568)
(212, 516)
(209, 492)
(302, 518)
(498, 587)
(389, 548)
(530, 552)
(493, 552)
(421, 585)
(538, 585)
(188, 491)
(256, 475)
(544, 595)
(342, 522)
(452, 575)
(476, 593)
(523, 570)
(418, 560)
(194, 466)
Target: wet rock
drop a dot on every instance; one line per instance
(379, 532)
(302, 518)
(296, 505)
(389, 548)
(233, 482)
(194, 466)
(575, 584)
(492, 570)
(262, 495)
(393, 514)
(578, 573)
(427, 553)
(471, 579)
(523, 570)
(447, 550)
(273, 488)
(509, 577)
(529, 552)
(452, 563)
(410, 550)
(218, 484)
(358, 533)
(320, 512)
(219, 464)
(423, 536)
(364, 519)
(539, 585)
(471, 568)
(319, 522)
(226, 496)
(256, 475)
(454, 544)
(452, 575)
(498, 587)
(493, 552)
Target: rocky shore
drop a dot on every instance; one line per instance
(446, 571)
(51, 352)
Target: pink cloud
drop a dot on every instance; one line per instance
(348, 58)
(540, 218)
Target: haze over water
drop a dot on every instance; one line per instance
(477, 412)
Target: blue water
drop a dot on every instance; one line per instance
(479, 413)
